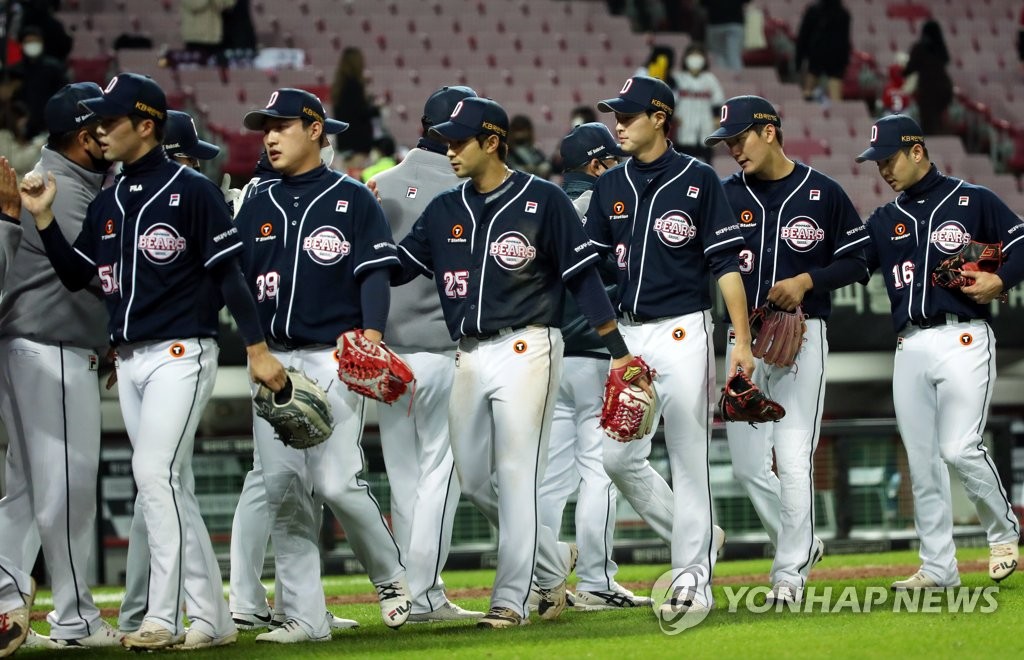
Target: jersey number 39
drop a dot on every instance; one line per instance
(267, 285)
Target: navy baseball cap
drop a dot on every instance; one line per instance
(473, 116)
(586, 142)
(62, 113)
(439, 106)
(889, 135)
(740, 113)
(182, 138)
(640, 94)
(130, 94)
(290, 103)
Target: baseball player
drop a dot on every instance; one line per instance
(664, 218)
(49, 339)
(317, 256)
(417, 454)
(502, 247)
(17, 589)
(945, 355)
(574, 454)
(162, 243)
(802, 239)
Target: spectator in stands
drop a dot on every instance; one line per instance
(41, 77)
(523, 154)
(699, 99)
(894, 99)
(39, 14)
(660, 64)
(927, 78)
(239, 39)
(20, 150)
(382, 155)
(725, 32)
(823, 47)
(202, 27)
(352, 104)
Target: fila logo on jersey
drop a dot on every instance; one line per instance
(692, 191)
(161, 244)
(175, 200)
(802, 233)
(342, 206)
(512, 251)
(815, 195)
(531, 207)
(950, 237)
(326, 246)
(411, 192)
(964, 199)
(675, 229)
(135, 187)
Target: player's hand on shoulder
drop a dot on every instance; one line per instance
(985, 286)
(265, 368)
(790, 292)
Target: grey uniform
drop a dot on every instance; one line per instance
(48, 342)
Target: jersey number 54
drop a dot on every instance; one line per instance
(108, 278)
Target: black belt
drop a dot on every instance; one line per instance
(939, 320)
(500, 332)
(292, 344)
(629, 318)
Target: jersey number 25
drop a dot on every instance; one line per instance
(456, 283)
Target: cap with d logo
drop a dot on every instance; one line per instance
(641, 94)
(473, 116)
(289, 103)
(889, 135)
(740, 113)
(130, 94)
(439, 106)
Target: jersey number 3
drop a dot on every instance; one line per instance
(456, 283)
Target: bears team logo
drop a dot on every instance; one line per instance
(326, 246)
(950, 237)
(802, 233)
(161, 244)
(675, 229)
(512, 251)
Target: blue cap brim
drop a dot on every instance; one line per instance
(104, 107)
(450, 130)
(203, 150)
(621, 105)
(724, 133)
(877, 153)
(255, 120)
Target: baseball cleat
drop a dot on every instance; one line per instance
(819, 551)
(252, 621)
(337, 623)
(395, 605)
(615, 599)
(502, 617)
(151, 636)
(105, 635)
(290, 633)
(278, 619)
(920, 580)
(784, 592)
(552, 601)
(36, 641)
(14, 624)
(682, 600)
(447, 612)
(1002, 560)
(574, 555)
(717, 540)
(195, 639)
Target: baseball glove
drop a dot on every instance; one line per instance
(975, 256)
(777, 335)
(299, 413)
(373, 370)
(742, 401)
(628, 411)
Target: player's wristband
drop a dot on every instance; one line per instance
(615, 344)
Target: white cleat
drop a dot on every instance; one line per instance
(337, 623)
(819, 551)
(252, 621)
(395, 604)
(36, 641)
(290, 633)
(104, 636)
(784, 592)
(195, 639)
(502, 617)
(920, 580)
(615, 599)
(151, 636)
(14, 624)
(447, 612)
(1002, 560)
(718, 540)
(552, 601)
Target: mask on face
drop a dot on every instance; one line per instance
(33, 49)
(327, 155)
(695, 62)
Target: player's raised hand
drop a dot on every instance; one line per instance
(790, 292)
(984, 288)
(265, 368)
(37, 195)
(10, 200)
(372, 185)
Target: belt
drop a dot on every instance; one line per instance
(629, 318)
(939, 320)
(291, 344)
(500, 332)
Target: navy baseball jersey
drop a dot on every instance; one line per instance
(929, 222)
(307, 239)
(798, 224)
(662, 220)
(152, 238)
(499, 259)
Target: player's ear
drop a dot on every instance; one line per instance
(316, 129)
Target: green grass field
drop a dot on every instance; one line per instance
(636, 633)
